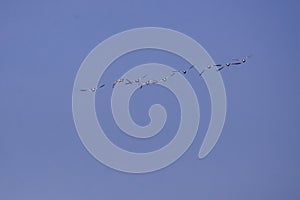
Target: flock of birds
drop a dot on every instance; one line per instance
(141, 83)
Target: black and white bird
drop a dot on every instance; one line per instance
(138, 80)
(209, 67)
(149, 82)
(93, 89)
(241, 61)
(117, 82)
(164, 79)
(185, 71)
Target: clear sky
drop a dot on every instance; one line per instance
(42, 45)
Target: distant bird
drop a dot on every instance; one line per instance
(226, 65)
(128, 82)
(186, 70)
(237, 62)
(218, 65)
(138, 80)
(92, 89)
(149, 82)
(220, 68)
(200, 74)
(118, 81)
(164, 79)
(241, 61)
(209, 67)
(246, 59)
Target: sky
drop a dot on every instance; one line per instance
(42, 45)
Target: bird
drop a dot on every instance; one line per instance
(164, 79)
(149, 82)
(128, 82)
(118, 81)
(209, 67)
(138, 80)
(222, 67)
(185, 71)
(218, 65)
(241, 61)
(92, 89)
(237, 62)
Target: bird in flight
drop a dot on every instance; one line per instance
(117, 82)
(186, 70)
(222, 66)
(93, 89)
(209, 67)
(164, 79)
(237, 62)
(241, 61)
(128, 81)
(149, 82)
(138, 80)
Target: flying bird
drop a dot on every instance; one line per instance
(226, 65)
(241, 61)
(117, 82)
(185, 71)
(237, 62)
(138, 80)
(128, 82)
(209, 67)
(149, 82)
(164, 79)
(92, 89)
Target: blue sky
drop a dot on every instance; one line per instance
(43, 43)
